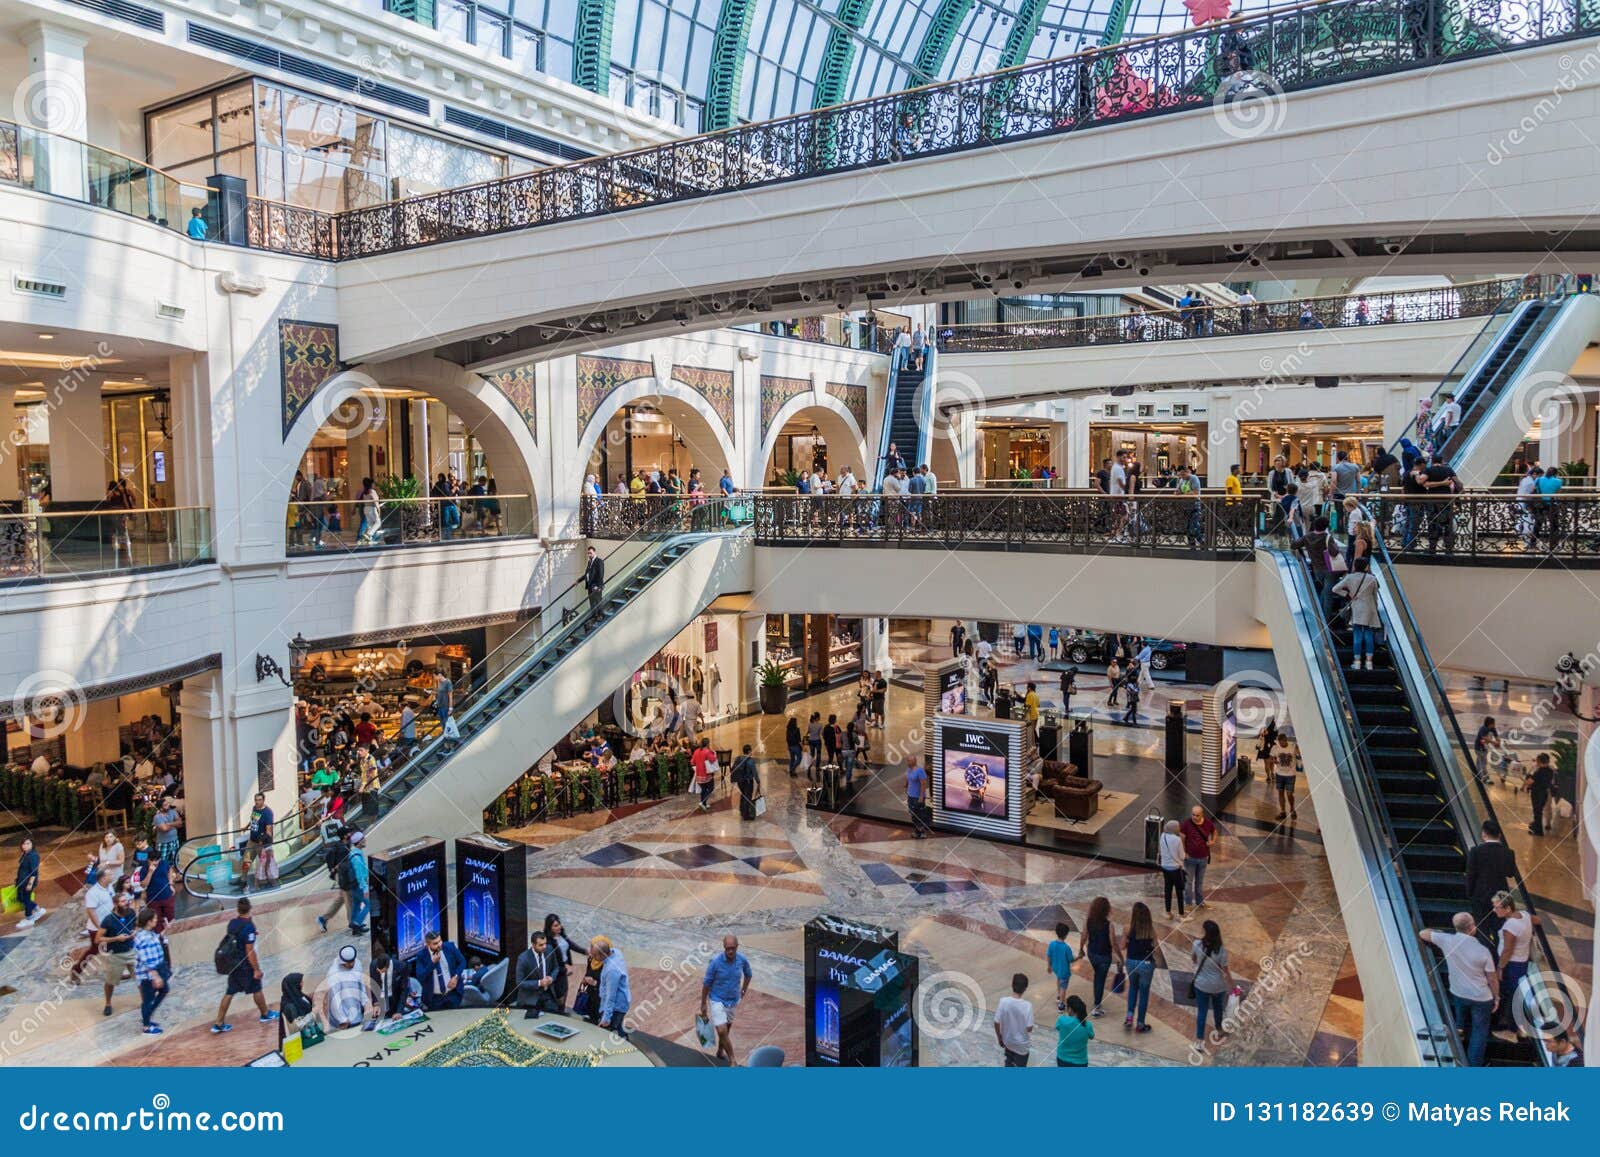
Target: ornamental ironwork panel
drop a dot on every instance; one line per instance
(599, 378)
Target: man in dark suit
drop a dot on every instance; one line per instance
(594, 579)
(1491, 868)
(439, 972)
(1540, 784)
(539, 971)
(389, 985)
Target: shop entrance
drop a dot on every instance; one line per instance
(1014, 450)
(1160, 447)
(656, 436)
(1302, 443)
(814, 650)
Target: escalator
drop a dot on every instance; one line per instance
(540, 683)
(1499, 383)
(907, 413)
(1411, 779)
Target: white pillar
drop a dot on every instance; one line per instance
(10, 448)
(53, 97)
(1078, 465)
(77, 441)
(93, 739)
(875, 644)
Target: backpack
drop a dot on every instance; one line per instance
(229, 954)
(336, 858)
(346, 873)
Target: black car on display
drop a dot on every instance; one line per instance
(1088, 646)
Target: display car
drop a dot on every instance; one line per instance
(1085, 647)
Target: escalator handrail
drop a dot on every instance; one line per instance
(886, 434)
(1444, 731)
(1383, 851)
(925, 414)
(1465, 436)
(1514, 295)
(666, 522)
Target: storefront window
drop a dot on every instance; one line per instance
(425, 164)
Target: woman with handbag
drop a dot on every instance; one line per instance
(1211, 982)
(1360, 586)
(564, 946)
(1100, 943)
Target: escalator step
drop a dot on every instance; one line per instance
(1391, 736)
(1398, 758)
(1425, 858)
(1407, 782)
(1432, 831)
(1420, 807)
(1439, 885)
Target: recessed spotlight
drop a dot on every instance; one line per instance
(47, 337)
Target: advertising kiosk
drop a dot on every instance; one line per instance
(860, 996)
(491, 897)
(409, 898)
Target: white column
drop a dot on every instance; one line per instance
(10, 448)
(53, 97)
(875, 644)
(77, 440)
(1078, 465)
(93, 739)
(209, 796)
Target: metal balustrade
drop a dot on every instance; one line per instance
(57, 543)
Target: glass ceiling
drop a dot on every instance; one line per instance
(663, 59)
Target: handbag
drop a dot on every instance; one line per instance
(1193, 992)
(582, 1002)
(311, 1033)
(267, 867)
(1119, 981)
(760, 806)
(1337, 563)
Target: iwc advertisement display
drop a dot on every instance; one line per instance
(978, 773)
(491, 897)
(860, 996)
(409, 897)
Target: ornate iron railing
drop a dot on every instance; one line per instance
(1478, 527)
(1298, 48)
(294, 229)
(1472, 528)
(1477, 299)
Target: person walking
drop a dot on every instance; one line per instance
(1100, 943)
(594, 578)
(1074, 1031)
(150, 969)
(1058, 956)
(244, 978)
(916, 797)
(116, 944)
(1114, 680)
(615, 995)
(1474, 981)
(28, 883)
(1540, 786)
(1212, 980)
(727, 979)
(1013, 1023)
(704, 762)
(747, 781)
(1139, 950)
(1285, 767)
(1169, 858)
(795, 742)
(1199, 837)
(814, 745)
(98, 902)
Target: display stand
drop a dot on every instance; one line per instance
(492, 897)
(982, 775)
(1219, 730)
(860, 996)
(409, 898)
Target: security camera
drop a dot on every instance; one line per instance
(644, 312)
(1143, 271)
(1121, 262)
(494, 338)
(809, 292)
(1237, 247)
(1255, 261)
(897, 281)
(1394, 248)
(717, 304)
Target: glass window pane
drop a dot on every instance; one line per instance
(454, 19)
(235, 118)
(269, 114)
(181, 134)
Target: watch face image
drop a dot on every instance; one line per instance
(974, 783)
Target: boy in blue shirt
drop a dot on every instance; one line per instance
(1059, 957)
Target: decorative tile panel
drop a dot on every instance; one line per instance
(517, 386)
(599, 378)
(776, 393)
(308, 355)
(715, 386)
(854, 399)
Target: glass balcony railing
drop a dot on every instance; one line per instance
(349, 525)
(66, 544)
(63, 167)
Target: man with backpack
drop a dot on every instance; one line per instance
(346, 861)
(236, 959)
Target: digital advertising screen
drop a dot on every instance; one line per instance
(410, 897)
(953, 692)
(1230, 738)
(860, 993)
(975, 769)
(491, 897)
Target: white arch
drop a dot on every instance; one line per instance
(651, 387)
(493, 420)
(811, 400)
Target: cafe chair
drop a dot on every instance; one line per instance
(765, 1057)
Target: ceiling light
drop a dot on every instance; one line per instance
(47, 337)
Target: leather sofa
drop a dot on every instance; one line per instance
(1074, 797)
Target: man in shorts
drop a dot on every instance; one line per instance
(1285, 766)
(727, 980)
(246, 975)
(116, 944)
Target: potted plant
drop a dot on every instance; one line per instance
(774, 691)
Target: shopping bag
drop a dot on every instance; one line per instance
(293, 1049)
(761, 806)
(1231, 1010)
(805, 762)
(311, 1034)
(1119, 982)
(452, 731)
(9, 899)
(267, 867)
(703, 1032)
(1563, 809)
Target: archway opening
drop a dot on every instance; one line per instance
(814, 439)
(656, 437)
(395, 466)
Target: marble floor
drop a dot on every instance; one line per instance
(666, 882)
